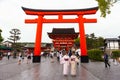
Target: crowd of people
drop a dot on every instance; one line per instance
(27, 55)
(69, 59)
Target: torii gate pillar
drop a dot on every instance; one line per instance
(37, 49)
(84, 56)
(60, 13)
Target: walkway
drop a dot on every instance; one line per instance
(10, 70)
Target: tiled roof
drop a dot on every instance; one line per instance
(111, 39)
(63, 31)
(58, 10)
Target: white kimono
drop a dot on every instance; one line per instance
(65, 61)
(73, 61)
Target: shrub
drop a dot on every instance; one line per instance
(95, 54)
(115, 54)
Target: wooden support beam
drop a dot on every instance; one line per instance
(60, 21)
(90, 20)
(31, 20)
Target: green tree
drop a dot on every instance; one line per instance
(89, 41)
(77, 42)
(92, 41)
(1, 38)
(100, 41)
(95, 42)
(92, 35)
(14, 37)
(105, 5)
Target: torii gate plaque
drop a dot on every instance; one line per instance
(80, 20)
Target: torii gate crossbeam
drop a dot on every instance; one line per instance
(80, 20)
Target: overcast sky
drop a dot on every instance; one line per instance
(12, 16)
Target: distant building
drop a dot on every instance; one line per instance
(5, 47)
(44, 46)
(112, 44)
(7, 43)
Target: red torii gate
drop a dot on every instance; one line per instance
(80, 20)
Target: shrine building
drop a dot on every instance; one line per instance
(63, 38)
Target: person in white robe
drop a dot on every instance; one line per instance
(60, 57)
(73, 61)
(19, 58)
(66, 63)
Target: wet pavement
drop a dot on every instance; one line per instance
(10, 70)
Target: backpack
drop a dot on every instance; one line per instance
(105, 56)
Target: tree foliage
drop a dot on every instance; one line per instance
(92, 41)
(14, 37)
(1, 38)
(105, 5)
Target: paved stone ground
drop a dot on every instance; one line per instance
(10, 70)
(98, 70)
